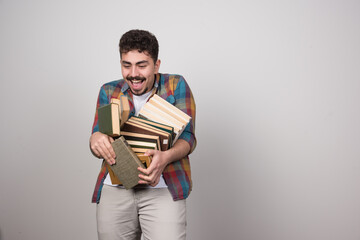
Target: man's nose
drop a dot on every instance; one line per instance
(134, 72)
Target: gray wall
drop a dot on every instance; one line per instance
(277, 87)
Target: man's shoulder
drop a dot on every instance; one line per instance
(114, 84)
(172, 79)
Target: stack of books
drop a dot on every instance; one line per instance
(159, 126)
(164, 132)
(159, 110)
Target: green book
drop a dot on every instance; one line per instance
(109, 119)
(126, 163)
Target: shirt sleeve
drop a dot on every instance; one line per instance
(185, 102)
(102, 100)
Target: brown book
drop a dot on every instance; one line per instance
(114, 179)
(146, 160)
(126, 163)
(131, 136)
(165, 137)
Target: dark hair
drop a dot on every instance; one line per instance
(140, 40)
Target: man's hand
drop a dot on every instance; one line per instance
(158, 163)
(160, 160)
(100, 145)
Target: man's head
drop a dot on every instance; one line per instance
(140, 40)
(139, 64)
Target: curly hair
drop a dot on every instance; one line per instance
(140, 40)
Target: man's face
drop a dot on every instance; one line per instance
(138, 70)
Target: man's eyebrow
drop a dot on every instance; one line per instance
(142, 62)
(138, 63)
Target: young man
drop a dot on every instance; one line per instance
(156, 208)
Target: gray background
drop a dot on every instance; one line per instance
(277, 88)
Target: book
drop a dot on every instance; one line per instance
(161, 126)
(131, 136)
(126, 163)
(124, 108)
(136, 127)
(108, 119)
(159, 110)
(171, 109)
(146, 160)
(141, 144)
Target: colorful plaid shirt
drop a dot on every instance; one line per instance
(175, 90)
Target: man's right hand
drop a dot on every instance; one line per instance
(100, 145)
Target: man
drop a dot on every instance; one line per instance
(155, 208)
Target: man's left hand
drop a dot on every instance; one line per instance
(152, 174)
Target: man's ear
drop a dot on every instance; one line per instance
(157, 65)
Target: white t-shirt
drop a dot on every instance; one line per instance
(139, 102)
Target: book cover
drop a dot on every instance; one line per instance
(126, 163)
(146, 160)
(108, 119)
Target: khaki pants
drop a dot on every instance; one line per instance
(126, 214)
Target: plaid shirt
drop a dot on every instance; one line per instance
(175, 90)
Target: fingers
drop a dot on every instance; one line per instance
(111, 140)
(149, 152)
(149, 180)
(108, 149)
(101, 146)
(108, 153)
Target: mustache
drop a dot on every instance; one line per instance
(130, 78)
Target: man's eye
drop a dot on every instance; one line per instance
(126, 66)
(142, 66)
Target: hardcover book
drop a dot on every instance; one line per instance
(124, 108)
(136, 127)
(126, 163)
(131, 136)
(146, 160)
(108, 119)
(159, 110)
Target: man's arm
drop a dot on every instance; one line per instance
(182, 99)
(100, 144)
(161, 159)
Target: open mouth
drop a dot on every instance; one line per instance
(137, 84)
(137, 81)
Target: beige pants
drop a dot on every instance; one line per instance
(126, 214)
